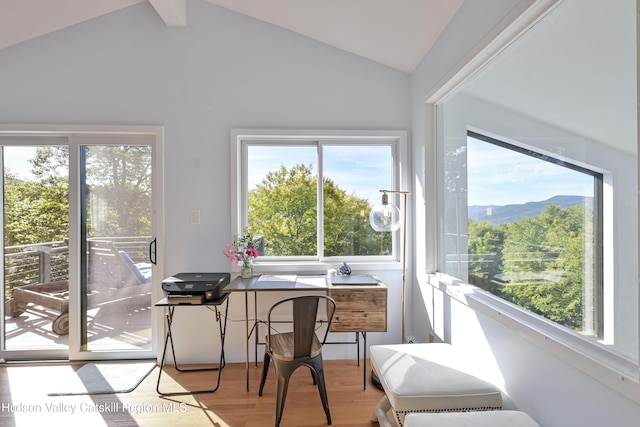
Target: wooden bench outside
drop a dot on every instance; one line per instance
(112, 275)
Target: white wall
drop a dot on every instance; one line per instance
(555, 390)
(454, 45)
(222, 71)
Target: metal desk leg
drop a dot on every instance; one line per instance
(364, 362)
(256, 328)
(246, 334)
(169, 339)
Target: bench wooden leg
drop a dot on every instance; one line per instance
(380, 413)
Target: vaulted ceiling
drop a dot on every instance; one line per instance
(394, 33)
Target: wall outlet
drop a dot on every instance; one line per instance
(194, 216)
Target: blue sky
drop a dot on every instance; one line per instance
(17, 160)
(498, 176)
(359, 170)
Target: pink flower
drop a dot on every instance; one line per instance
(242, 250)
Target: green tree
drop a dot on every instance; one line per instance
(558, 248)
(347, 231)
(525, 248)
(119, 189)
(485, 243)
(541, 259)
(119, 182)
(283, 208)
(552, 246)
(50, 162)
(35, 211)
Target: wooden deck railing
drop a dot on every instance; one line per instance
(49, 261)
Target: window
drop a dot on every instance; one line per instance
(509, 92)
(309, 197)
(533, 226)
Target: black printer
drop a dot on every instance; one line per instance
(206, 285)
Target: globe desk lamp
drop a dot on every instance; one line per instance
(386, 217)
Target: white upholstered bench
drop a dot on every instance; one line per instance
(476, 419)
(427, 378)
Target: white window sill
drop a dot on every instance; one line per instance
(319, 267)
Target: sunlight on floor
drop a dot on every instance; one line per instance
(26, 403)
(31, 406)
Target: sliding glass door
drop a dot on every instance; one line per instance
(36, 245)
(79, 246)
(116, 243)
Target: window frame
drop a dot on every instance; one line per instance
(598, 227)
(242, 138)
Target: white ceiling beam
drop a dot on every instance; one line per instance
(172, 12)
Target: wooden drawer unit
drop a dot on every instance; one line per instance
(359, 308)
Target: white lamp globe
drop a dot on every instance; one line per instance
(385, 217)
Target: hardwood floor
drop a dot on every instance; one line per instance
(24, 400)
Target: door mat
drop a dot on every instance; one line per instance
(105, 378)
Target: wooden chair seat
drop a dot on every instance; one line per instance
(282, 346)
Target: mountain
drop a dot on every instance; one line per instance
(508, 213)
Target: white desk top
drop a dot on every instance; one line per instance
(278, 282)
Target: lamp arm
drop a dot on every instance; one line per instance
(395, 192)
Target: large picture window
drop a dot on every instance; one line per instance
(309, 198)
(566, 275)
(534, 223)
(572, 271)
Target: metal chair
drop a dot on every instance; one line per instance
(302, 347)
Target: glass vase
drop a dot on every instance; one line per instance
(246, 269)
